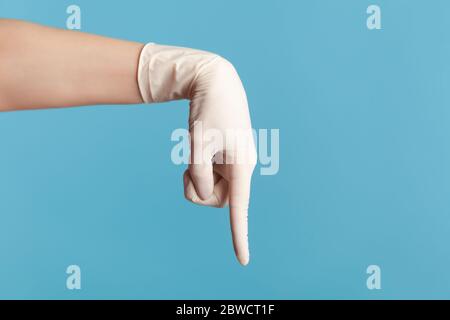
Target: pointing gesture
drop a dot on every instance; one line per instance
(60, 68)
(223, 153)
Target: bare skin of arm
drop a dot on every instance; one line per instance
(42, 67)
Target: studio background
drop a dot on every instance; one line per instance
(364, 179)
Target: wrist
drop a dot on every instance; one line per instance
(167, 73)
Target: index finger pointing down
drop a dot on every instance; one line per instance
(239, 201)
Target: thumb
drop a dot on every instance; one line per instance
(200, 167)
(203, 178)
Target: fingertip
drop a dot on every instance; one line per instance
(243, 259)
(239, 231)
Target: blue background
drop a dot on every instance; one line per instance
(364, 120)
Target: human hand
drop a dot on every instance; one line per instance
(223, 154)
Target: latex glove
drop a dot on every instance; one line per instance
(219, 174)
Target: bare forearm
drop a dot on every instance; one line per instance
(42, 67)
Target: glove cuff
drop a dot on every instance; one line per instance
(168, 73)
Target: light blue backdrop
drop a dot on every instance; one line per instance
(364, 120)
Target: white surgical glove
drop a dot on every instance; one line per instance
(223, 154)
